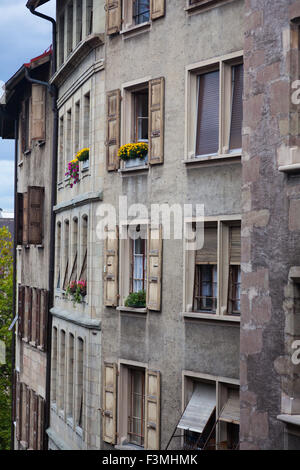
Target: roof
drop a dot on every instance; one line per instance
(35, 3)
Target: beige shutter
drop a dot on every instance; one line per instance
(152, 411)
(235, 245)
(113, 16)
(156, 120)
(111, 263)
(208, 254)
(157, 8)
(109, 408)
(113, 100)
(35, 215)
(38, 112)
(154, 268)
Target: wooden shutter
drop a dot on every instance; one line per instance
(25, 218)
(35, 421)
(113, 16)
(235, 141)
(154, 268)
(21, 305)
(152, 410)
(38, 112)
(41, 420)
(37, 316)
(157, 8)
(111, 263)
(35, 215)
(207, 141)
(113, 100)
(44, 310)
(19, 217)
(156, 120)
(29, 318)
(27, 418)
(208, 254)
(109, 408)
(235, 245)
(18, 417)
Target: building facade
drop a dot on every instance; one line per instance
(158, 343)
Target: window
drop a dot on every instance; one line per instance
(215, 108)
(213, 273)
(77, 127)
(54, 370)
(139, 265)
(61, 39)
(58, 255)
(69, 136)
(74, 250)
(70, 376)
(25, 125)
(66, 255)
(79, 388)
(70, 27)
(141, 11)
(84, 248)
(86, 126)
(78, 21)
(89, 16)
(136, 417)
(62, 368)
(141, 113)
(61, 156)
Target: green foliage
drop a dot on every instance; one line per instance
(6, 296)
(136, 299)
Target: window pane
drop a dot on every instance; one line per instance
(141, 11)
(206, 288)
(139, 265)
(136, 418)
(235, 290)
(237, 107)
(207, 141)
(141, 116)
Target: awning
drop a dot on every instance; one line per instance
(199, 408)
(231, 410)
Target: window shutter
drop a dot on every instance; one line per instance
(109, 409)
(38, 112)
(156, 120)
(19, 216)
(21, 301)
(35, 215)
(111, 263)
(41, 417)
(29, 323)
(27, 422)
(152, 410)
(44, 309)
(154, 268)
(18, 407)
(113, 16)
(37, 316)
(113, 100)
(235, 245)
(235, 141)
(35, 421)
(157, 9)
(208, 254)
(207, 141)
(25, 218)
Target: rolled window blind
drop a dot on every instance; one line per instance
(207, 141)
(208, 254)
(235, 141)
(235, 245)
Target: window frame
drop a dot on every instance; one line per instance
(223, 64)
(223, 265)
(128, 23)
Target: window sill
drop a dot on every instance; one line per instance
(290, 419)
(135, 30)
(212, 317)
(293, 168)
(20, 163)
(132, 309)
(212, 160)
(204, 5)
(139, 170)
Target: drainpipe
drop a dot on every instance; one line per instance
(54, 42)
(53, 91)
(13, 341)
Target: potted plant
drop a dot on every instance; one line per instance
(134, 154)
(77, 290)
(73, 172)
(136, 300)
(83, 155)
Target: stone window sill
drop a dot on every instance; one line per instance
(293, 168)
(204, 5)
(290, 419)
(132, 309)
(142, 169)
(135, 29)
(212, 317)
(212, 160)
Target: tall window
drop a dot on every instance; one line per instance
(139, 263)
(141, 11)
(207, 141)
(70, 376)
(78, 21)
(89, 16)
(237, 74)
(58, 255)
(86, 125)
(61, 39)
(84, 248)
(61, 161)
(54, 366)
(62, 368)
(77, 126)
(234, 297)
(74, 249)
(70, 27)
(79, 387)
(136, 418)
(69, 135)
(141, 115)
(66, 254)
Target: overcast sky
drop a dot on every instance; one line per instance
(23, 36)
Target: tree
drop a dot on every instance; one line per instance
(6, 298)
